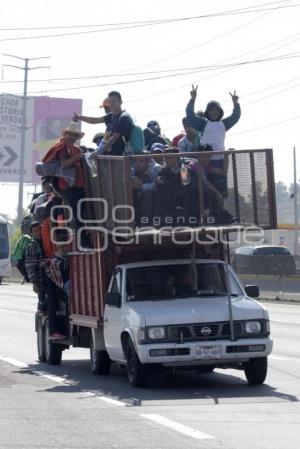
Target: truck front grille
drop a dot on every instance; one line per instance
(203, 331)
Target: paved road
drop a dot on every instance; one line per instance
(67, 407)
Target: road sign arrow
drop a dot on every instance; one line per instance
(12, 156)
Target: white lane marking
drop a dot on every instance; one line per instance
(19, 364)
(180, 428)
(14, 362)
(112, 401)
(51, 377)
(285, 321)
(18, 312)
(275, 357)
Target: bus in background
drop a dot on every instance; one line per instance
(5, 265)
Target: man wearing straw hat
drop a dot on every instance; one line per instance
(69, 155)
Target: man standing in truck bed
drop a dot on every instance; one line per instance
(118, 122)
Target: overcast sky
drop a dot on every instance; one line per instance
(268, 90)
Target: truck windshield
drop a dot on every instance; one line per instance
(179, 281)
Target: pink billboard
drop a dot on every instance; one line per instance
(50, 116)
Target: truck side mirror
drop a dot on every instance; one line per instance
(113, 299)
(252, 291)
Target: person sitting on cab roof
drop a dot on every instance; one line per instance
(212, 126)
(118, 125)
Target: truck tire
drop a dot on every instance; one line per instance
(137, 372)
(205, 369)
(40, 337)
(1, 280)
(256, 370)
(53, 351)
(100, 361)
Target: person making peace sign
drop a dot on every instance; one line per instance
(212, 126)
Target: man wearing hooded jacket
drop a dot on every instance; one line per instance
(212, 126)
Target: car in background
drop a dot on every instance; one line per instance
(5, 265)
(263, 259)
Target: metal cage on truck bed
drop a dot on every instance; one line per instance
(90, 271)
(249, 198)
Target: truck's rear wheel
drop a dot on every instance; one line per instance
(40, 337)
(100, 361)
(256, 370)
(137, 372)
(53, 351)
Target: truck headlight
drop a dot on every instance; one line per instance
(253, 327)
(156, 333)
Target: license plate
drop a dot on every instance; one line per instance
(208, 352)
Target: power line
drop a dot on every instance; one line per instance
(162, 59)
(147, 24)
(224, 71)
(267, 126)
(172, 75)
(135, 22)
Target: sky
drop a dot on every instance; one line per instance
(255, 53)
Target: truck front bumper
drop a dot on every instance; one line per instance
(204, 352)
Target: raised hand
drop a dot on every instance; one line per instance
(234, 97)
(75, 117)
(194, 92)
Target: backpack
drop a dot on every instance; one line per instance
(136, 141)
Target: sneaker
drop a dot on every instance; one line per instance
(57, 336)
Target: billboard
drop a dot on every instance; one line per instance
(45, 118)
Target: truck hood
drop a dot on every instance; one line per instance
(196, 310)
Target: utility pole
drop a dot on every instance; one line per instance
(296, 245)
(26, 69)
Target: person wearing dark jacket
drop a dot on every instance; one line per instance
(212, 126)
(152, 134)
(33, 263)
(177, 191)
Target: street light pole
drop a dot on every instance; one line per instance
(295, 204)
(26, 69)
(23, 143)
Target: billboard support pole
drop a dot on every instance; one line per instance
(23, 127)
(296, 245)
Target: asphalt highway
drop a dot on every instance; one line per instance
(66, 406)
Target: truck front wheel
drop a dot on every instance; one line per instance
(53, 351)
(256, 370)
(137, 372)
(100, 361)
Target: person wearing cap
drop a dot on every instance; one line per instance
(118, 125)
(152, 134)
(69, 155)
(34, 255)
(191, 141)
(157, 149)
(97, 139)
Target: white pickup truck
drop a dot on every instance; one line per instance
(179, 314)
